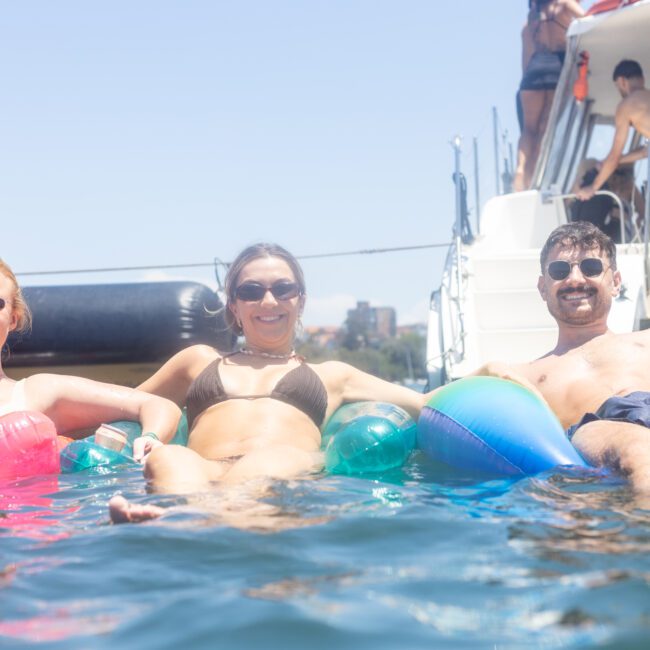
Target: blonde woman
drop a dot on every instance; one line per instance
(74, 403)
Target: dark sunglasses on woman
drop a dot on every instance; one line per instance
(590, 267)
(254, 291)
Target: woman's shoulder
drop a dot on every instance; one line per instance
(44, 380)
(44, 389)
(189, 362)
(196, 353)
(196, 357)
(202, 351)
(331, 370)
(173, 378)
(330, 364)
(570, 9)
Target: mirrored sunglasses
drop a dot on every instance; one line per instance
(590, 267)
(254, 291)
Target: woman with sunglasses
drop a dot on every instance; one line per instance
(74, 403)
(258, 411)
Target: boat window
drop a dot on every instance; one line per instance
(601, 210)
(601, 140)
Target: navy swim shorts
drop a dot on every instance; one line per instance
(633, 408)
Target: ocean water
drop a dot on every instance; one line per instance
(419, 558)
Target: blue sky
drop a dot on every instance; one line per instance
(155, 132)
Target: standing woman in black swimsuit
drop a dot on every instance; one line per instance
(257, 412)
(543, 48)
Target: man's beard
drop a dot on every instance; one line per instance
(565, 312)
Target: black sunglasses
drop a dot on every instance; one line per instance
(254, 291)
(590, 267)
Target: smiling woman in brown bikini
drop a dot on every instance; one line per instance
(256, 412)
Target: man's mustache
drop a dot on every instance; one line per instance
(582, 289)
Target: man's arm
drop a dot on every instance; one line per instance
(511, 373)
(613, 157)
(640, 153)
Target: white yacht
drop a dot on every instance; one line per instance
(487, 307)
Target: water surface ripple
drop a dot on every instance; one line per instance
(416, 559)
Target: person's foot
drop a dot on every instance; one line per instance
(122, 511)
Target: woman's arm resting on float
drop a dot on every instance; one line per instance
(172, 380)
(354, 385)
(77, 403)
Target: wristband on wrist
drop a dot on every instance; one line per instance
(150, 434)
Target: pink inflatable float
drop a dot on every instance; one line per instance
(28, 445)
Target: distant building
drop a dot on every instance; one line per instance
(373, 323)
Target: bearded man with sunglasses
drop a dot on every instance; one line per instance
(597, 382)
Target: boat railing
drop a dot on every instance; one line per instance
(548, 197)
(447, 302)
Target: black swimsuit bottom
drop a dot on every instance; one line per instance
(300, 387)
(543, 71)
(633, 408)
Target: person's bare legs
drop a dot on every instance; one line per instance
(170, 468)
(541, 130)
(122, 511)
(180, 470)
(278, 462)
(622, 446)
(536, 107)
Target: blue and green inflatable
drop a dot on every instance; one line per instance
(493, 426)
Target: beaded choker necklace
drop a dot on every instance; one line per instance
(268, 355)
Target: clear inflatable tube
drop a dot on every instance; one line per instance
(368, 438)
(86, 454)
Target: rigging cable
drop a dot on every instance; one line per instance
(217, 261)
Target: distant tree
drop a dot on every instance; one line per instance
(314, 352)
(354, 333)
(415, 348)
(396, 359)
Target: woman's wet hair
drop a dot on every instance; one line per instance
(582, 235)
(249, 254)
(18, 304)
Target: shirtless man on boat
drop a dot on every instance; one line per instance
(633, 110)
(597, 382)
